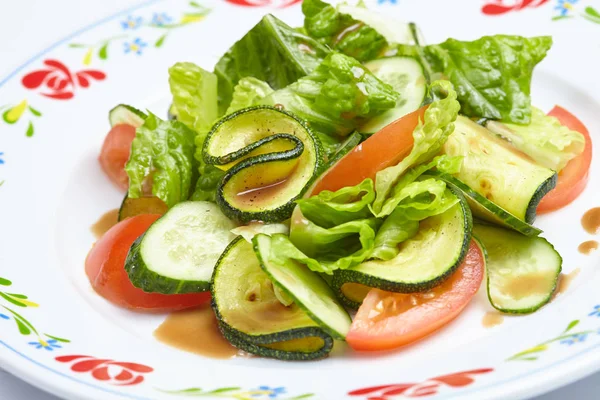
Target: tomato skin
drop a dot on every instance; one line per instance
(105, 268)
(383, 149)
(573, 178)
(415, 322)
(115, 153)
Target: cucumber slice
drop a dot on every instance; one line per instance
(304, 286)
(130, 207)
(406, 76)
(497, 171)
(253, 319)
(178, 252)
(424, 261)
(124, 114)
(488, 210)
(271, 157)
(522, 272)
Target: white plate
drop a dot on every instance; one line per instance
(53, 190)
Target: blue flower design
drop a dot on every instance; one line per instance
(574, 339)
(161, 19)
(132, 22)
(3, 316)
(387, 1)
(565, 6)
(49, 345)
(137, 46)
(595, 313)
(273, 392)
(1, 160)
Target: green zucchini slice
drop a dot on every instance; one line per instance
(406, 76)
(497, 171)
(424, 261)
(487, 210)
(253, 319)
(124, 114)
(522, 272)
(271, 157)
(178, 252)
(130, 207)
(305, 287)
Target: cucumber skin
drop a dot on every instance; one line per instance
(510, 220)
(252, 343)
(282, 212)
(540, 192)
(151, 282)
(346, 276)
(129, 108)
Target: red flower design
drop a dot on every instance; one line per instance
(263, 3)
(60, 82)
(114, 372)
(498, 7)
(423, 389)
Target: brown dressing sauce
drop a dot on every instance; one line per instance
(195, 331)
(591, 221)
(565, 280)
(527, 285)
(491, 319)
(588, 247)
(106, 221)
(256, 196)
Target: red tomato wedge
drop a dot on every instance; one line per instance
(115, 153)
(573, 178)
(388, 320)
(383, 149)
(105, 268)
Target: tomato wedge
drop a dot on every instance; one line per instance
(115, 153)
(388, 320)
(105, 268)
(573, 178)
(383, 149)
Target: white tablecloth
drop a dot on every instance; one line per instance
(22, 29)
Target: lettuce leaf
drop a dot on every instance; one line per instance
(341, 32)
(335, 98)
(329, 209)
(429, 137)
(271, 51)
(247, 93)
(545, 140)
(339, 247)
(162, 153)
(492, 75)
(194, 93)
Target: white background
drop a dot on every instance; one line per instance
(30, 26)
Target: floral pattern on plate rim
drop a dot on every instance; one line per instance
(59, 83)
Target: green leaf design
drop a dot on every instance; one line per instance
(559, 17)
(533, 350)
(592, 14)
(18, 296)
(5, 282)
(58, 338)
(23, 329)
(35, 112)
(11, 300)
(160, 40)
(194, 4)
(77, 45)
(303, 396)
(572, 325)
(30, 130)
(103, 52)
(223, 390)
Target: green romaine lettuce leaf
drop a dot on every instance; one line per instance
(272, 52)
(492, 75)
(247, 93)
(162, 153)
(429, 137)
(545, 140)
(329, 209)
(194, 93)
(339, 247)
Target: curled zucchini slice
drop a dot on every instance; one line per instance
(271, 158)
(253, 319)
